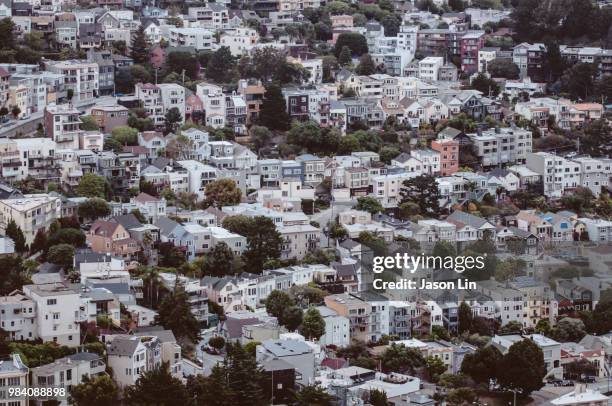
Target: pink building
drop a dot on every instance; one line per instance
(193, 104)
(471, 43)
(449, 155)
(110, 237)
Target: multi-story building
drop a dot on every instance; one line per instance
(131, 356)
(30, 212)
(529, 58)
(109, 117)
(38, 159)
(58, 313)
(81, 78)
(68, 371)
(213, 16)
(471, 43)
(213, 101)
(448, 149)
(429, 158)
(14, 374)
(502, 145)
(151, 100)
(595, 174)
(62, 124)
(173, 96)
(252, 92)
(198, 38)
(356, 310)
(336, 328)
(298, 240)
(557, 173)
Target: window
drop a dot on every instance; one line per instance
(51, 302)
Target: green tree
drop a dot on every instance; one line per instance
(218, 262)
(62, 255)
(291, 318)
(273, 112)
(212, 390)
(465, 318)
(88, 123)
(435, 367)
(175, 314)
(344, 57)
(579, 368)
(596, 138)
(260, 136)
(92, 185)
(502, 68)
(217, 342)
(94, 208)
(98, 391)
(369, 204)
(313, 324)
(313, 396)
(14, 232)
(222, 192)
(139, 46)
(444, 249)
(423, 191)
(485, 85)
(221, 65)
(398, 358)
(387, 153)
(378, 398)
(172, 119)
(156, 387)
(482, 365)
(366, 65)
(244, 377)
(276, 303)
(125, 135)
(579, 80)
(263, 240)
(522, 367)
(461, 396)
(569, 330)
(72, 236)
(355, 41)
(40, 241)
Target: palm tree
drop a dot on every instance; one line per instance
(150, 277)
(147, 242)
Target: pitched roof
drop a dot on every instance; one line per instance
(104, 228)
(144, 198)
(123, 346)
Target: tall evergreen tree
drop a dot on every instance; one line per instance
(211, 390)
(422, 190)
(274, 109)
(139, 46)
(175, 314)
(156, 387)
(244, 377)
(14, 232)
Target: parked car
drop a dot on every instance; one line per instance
(588, 379)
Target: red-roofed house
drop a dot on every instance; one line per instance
(151, 207)
(111, 237)
(571, 352)
(334, 363)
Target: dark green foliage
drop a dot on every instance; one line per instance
(274, 109)
(175, 314)
(423, 191)
(356, 43)
(156, 387)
